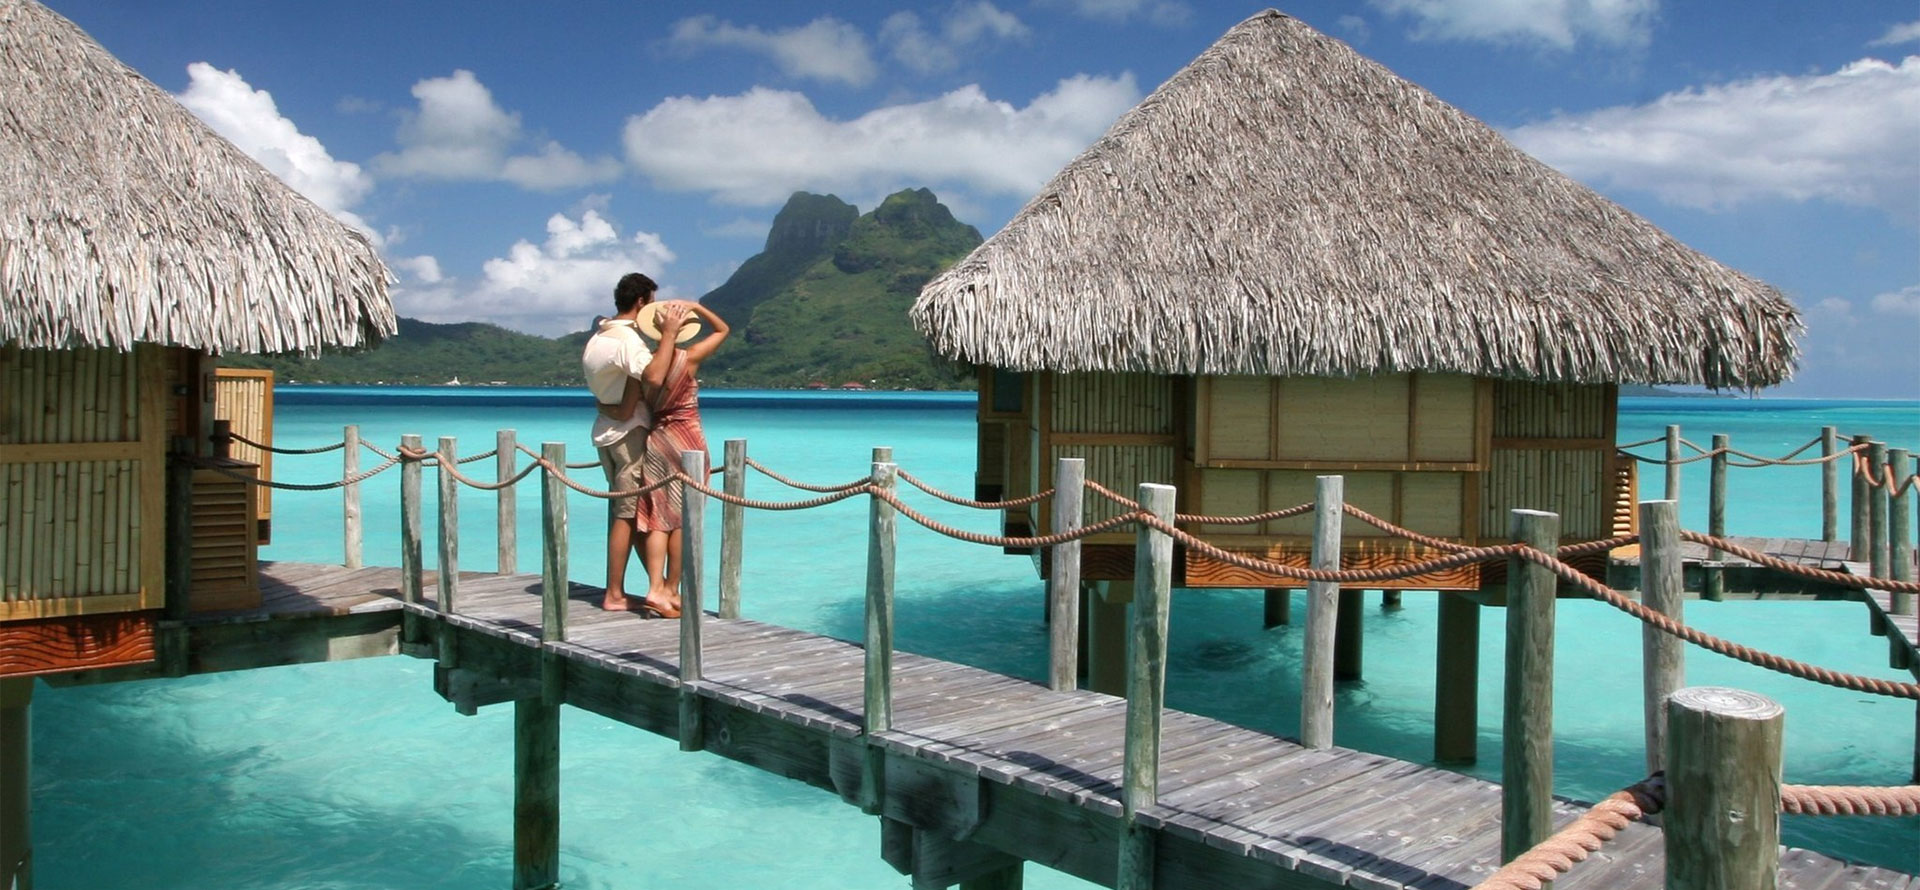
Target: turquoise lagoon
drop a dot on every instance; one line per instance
(355, 775)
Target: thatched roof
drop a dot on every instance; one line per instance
(1284, 206)
(124, 219)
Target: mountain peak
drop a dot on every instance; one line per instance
(810, 222)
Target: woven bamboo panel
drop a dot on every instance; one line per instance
(81, 395)
(244, 399)
(1444, 418)
(1572, 483)
(1121, 468)
(1112, 403)
(1526, 410)
(1364, 418)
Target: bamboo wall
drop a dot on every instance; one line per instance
(1124, 425)
(83, 457)
(244, 398)
(1553, 449)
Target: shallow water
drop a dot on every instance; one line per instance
(356, 775)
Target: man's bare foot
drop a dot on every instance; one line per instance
(616, 602)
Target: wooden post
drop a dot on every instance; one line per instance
(1829, 485)
(883, 454)
(1348, 641)
(1390, 600)
(1663, 655)
(733, 527)
(878, 678)
(1900, 530)
(1722, 818)
(1278, 611)
(222, 438)
(16, 772)
(1456, 693)
(1526, 773)
(410, 549)
(693, 514)
(449, 574)
(1146, 686)
(179, 531)
(554, 585)
(1878, 508)
(1063, 577)
(1673, 462)
(1106, 650)
(1861, 530)
(353, 536)
(1714, 583)
(506, 502)
(1316, 676)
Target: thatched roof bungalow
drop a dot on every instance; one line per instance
(1288, 261)
(135, 244)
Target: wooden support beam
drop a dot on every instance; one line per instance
(1829, 485)
(1673, 463)
(733, 527)
(1316, 676)
(352, 535)
(693, 514)
(447, 573)
(1107, 640)
(413, 635)
(877, 685)
(536, 794)
(1063, 581)
(1900, 531)
(1526, 775)
(1146, 687)
(1879, 509)
(16, 771)
(1390, 600)
(1456, 694)
(470, 689)
(1714, 585)
(1663, 655)
(1278, 608)
(179, 530)
(940, 862)
(1861, 528)
(554, 585)
(506, 503)
(1349, 643)
(1722, 818)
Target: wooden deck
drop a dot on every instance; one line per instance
(980, 765)
(1746, 580)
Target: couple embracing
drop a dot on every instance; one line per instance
(649, 413)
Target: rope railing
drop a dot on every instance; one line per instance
(252, 479)
(322, 449)
(1016, 503)
(1838, 579)
(803, 486)
(1757, 460)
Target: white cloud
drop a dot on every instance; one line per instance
(1846, 137)
(825, 49)
(1356, 26)
(424, 269)
(549, 288)
(738, 227)
(758, 147)
(1905, 301)
(1555, 23)
(1159, 12)
(458, 132)
(250, 120)
(1898, 34)
(964, 26)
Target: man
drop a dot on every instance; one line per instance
(614, 361)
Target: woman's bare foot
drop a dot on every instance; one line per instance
(661, 599)
(616, 601)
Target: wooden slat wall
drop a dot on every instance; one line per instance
(1552, 450)
(1123, 425)
(244, 399)
(82, 457)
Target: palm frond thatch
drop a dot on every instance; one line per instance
(125, 219)
(1284, 206)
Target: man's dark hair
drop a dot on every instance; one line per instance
(633, 290)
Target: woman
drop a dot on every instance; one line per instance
(673, 392)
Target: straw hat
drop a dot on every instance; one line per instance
(648, 323)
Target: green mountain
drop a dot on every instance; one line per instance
(826, 300)
(839, 314)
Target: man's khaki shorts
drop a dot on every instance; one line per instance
(624, 462)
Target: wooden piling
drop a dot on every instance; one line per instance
(1146, 686)
(179, 530)
(536, 793)
(410, 548)
(1878, 509)
(877, 700)
(733, 527)
(1063, 577)
(1349, 642)
(506, 502)
(1277, 609)
(1663, 655)
(1900, 529)
(1456, 693)
(16, 773)
(1722, 818)
(1829, 485)
(1673, 462)
(1861, 531)
(1390, 600)
(1714, 581)
(693, 512)
(883, 454)
(1526, 774)
(1106, 649)
(1316, 676)
(353, 540)
(449, 571)
(554, 585)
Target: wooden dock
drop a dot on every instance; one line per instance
(981, 772)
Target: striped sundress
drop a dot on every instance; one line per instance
(676, 428)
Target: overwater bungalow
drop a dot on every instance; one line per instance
(136, 245)
(1287, 262)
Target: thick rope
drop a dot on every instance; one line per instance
(298, 486)
(1758, 461)
(265, 447)
(803, 486)
(1600, 546)
(1558, 854)
(378, 450)
(977, 505)
(487, 486)
(1850, 800)
(1440, 544)
(1838, 579)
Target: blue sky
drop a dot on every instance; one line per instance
(512, 160)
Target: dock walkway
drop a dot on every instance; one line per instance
(979, 764)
